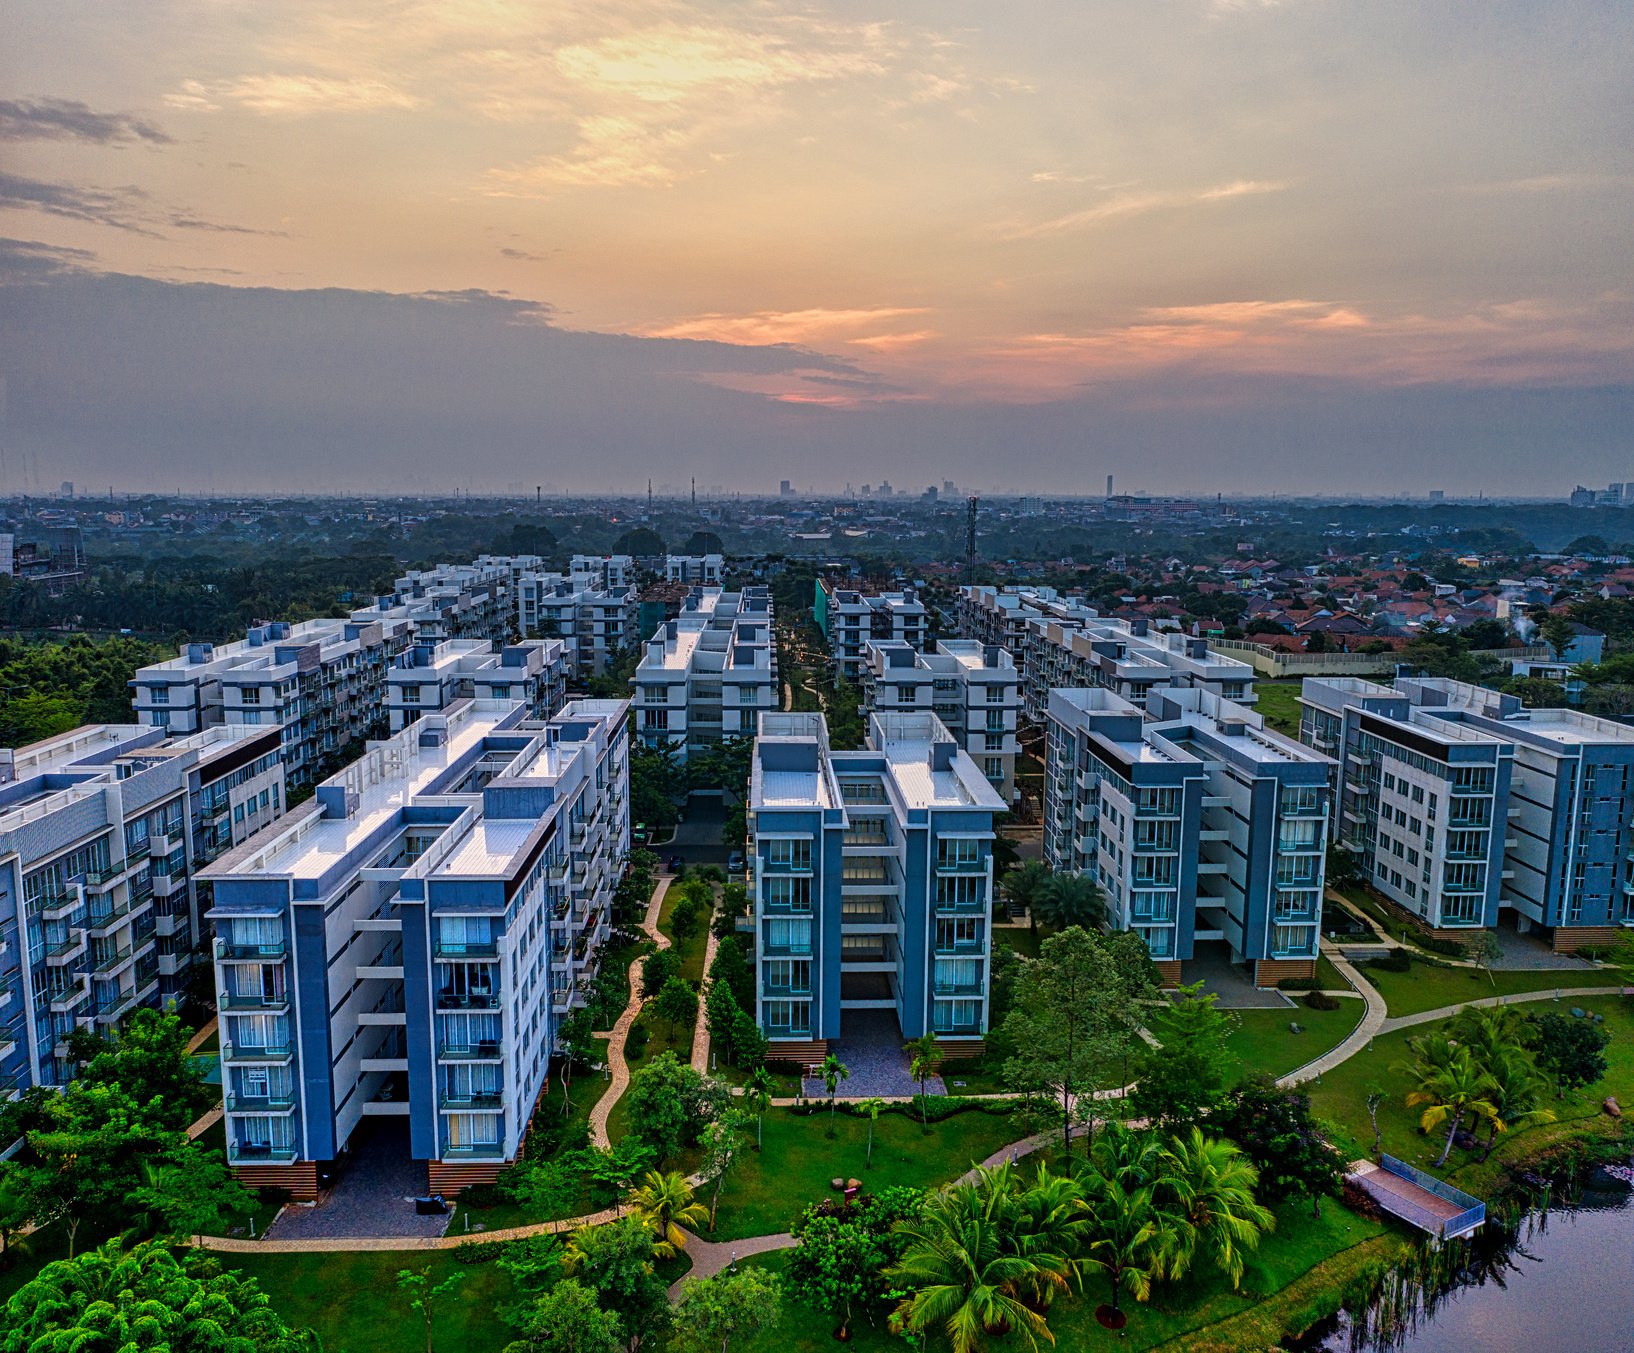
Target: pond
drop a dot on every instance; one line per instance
(1563, 1281)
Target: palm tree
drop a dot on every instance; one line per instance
(871, 1107)
(833, 1071)
(1207, 1185)
(1066, 900)
(1451, 1091)
(664, 1203)
(964, 1281)
(757, 1098)
(1021, 885)
(1517, 1086)
(926, 1061)
(1127, 1237)
(1049, 1227)
(1132, 1158)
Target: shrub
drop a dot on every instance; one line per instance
(1436, 945)
(1296, 984)
(1396, 960)
(481, 1197)
(1320, 1000)
(477, 1251)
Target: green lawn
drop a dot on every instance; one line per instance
(1425, 987)
(766, 1190)
(1176, 1309)
(1341, 1096)
(1022, 940)
(1262, 1040)
(352, 1300)
(1278, 704)
(690, 949)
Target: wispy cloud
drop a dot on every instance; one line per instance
(785, 326)
(1122, 204)
(121, 208)
(32, 260)
(523, 255)
(70, 120)
(292, 95)
(1548, 183)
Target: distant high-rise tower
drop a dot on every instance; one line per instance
(785, 489)
(1109, 486)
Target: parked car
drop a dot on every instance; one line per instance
(735, 862)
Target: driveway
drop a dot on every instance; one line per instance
(374, 1195)
(697, 838)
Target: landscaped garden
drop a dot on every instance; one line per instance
(1429, 986)
(1263, 1041)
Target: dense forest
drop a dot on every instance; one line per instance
(48, 687)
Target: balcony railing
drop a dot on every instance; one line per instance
(961, 866)
(282, 1102)
(269, 1052)
(957, 989)
(482, 1050)
(273, 949)
(475, 1151)
(481, 1100)
(259, 1153)
(466, 949)
(232, 1000)
(797, 948)
(467, 1000)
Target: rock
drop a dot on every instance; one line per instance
(1612, 1107)
(838, 1185)
(853, 1183)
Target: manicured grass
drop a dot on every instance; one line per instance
(1019, 938)
(1297, 1246)
(661, 1038)
(1341, 1096)
(1278, 704)
(766, 1190)
(1425, 987)
(353, 1302)
(1329, 978)
(691, 949)
(1262, 1040)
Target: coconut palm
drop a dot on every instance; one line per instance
(1049, 1226)
(1132, 1158)
(1021, 885)
(1489, 1032)
(964, 1282)
(757, 1098)
(1066, 900)
(664, 1204)
(1449, 1092)
(1206, 1185)
(925, 1061)
(833, 1072)
(1128, 1235)
(1517, 1086)
(872, 1108)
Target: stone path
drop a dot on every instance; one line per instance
(618, 1068)
(709, 1257)
(1487, 1002)
(202, 1036)
(700, 1027)
(1373, 1019)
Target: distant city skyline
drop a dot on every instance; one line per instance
(1207, 245)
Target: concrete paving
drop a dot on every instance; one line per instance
(1489, 1002)
(1229, 983)
(1372, 1021)
(870, 1045)
(374, 1195)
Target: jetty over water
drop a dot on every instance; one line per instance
(1419, 1199)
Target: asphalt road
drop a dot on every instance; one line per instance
(698, 837)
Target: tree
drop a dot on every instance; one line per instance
(1126, 1238)
(677, 1003)
(1021, 886)
(1276, 1132)
(749, 1044)
(1066, 900)
(191, 1193)
(964, 1278)
(833, 1072)
(871, 1107)
(1207, 1185)
(837, 1263)
(658, 968)
(575, 1042)
(566, 1319)
(1516, 1088)
(1063, 1026)
(723, 1141)
(924, 1065)
(617, 1260)
(149, 1062)
(1450, 1091)
(423, 1296)
(1344, 870)
(543, 1188)
(1557, 632)
(664, 1204)
(670, 1103)
(1483, 949)
(757, 1098)
(14, 1208)
(1181, 1079)
(615, 1169)
(713, 1312)
(723, 1014)
(142, 1300)
(1571, 1051)
(733, 904)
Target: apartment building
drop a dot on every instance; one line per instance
(1463, 805)
(709, 673)
(428, 677)
(458, 601)
(101, 832)
(999, 615)
(695, 570)
(610, 571)
(850, 619)
(322, 682)
(1200, 825)
(595, 623)
(872, 884)
(971, 687)
(407, 944)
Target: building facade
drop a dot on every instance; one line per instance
(428, 677)
(971, 687)
(850, 619)
(872, 884)
(594, 623)
(708, 674)
(101, 833)
(408, 943)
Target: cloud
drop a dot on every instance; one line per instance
(292, 95)
(780, 326)
(1125, 204)
(120, 208)
(894, 342)
(523, 255)
(183, 220)
(30, 260)
(70, 120)
(1548, 183)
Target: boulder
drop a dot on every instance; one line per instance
(1612, 1107)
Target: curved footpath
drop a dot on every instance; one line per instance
(1373, 1019)
(618, 1068)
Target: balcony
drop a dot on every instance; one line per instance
(108, 1011)
(792, 949)
(114, 960)
(957, 989)
(57, 905)
(785, 867)
(231, 1000)
(961, 947)
(100, 880)
(467, 1000)
(281, 1103)
(101, 920)
(483, 1050)
(66, 1002)
(481, 1101)
(976, 866)
(457, 949)
(251, 953)
(259, 1153)
(158, 847)
(475, 1151)
(269, 1054)
(60, 953)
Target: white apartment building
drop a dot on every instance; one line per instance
(611, 571)
(850, 619)
(407, 944)
(709, 673)
(973, 688)
(695, 570)
(429, 677)
(594, 623)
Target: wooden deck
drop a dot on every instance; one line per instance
(1419, 1199)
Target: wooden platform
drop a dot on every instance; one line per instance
(1420, 1199)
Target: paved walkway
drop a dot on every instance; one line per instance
(1487, 1002)
(700, 1025)
(709, 1257)
(200, 1038)
(618, 1068)
(373, 1195)
(1373, 1019)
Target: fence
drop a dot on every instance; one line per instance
(1460, 1223)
